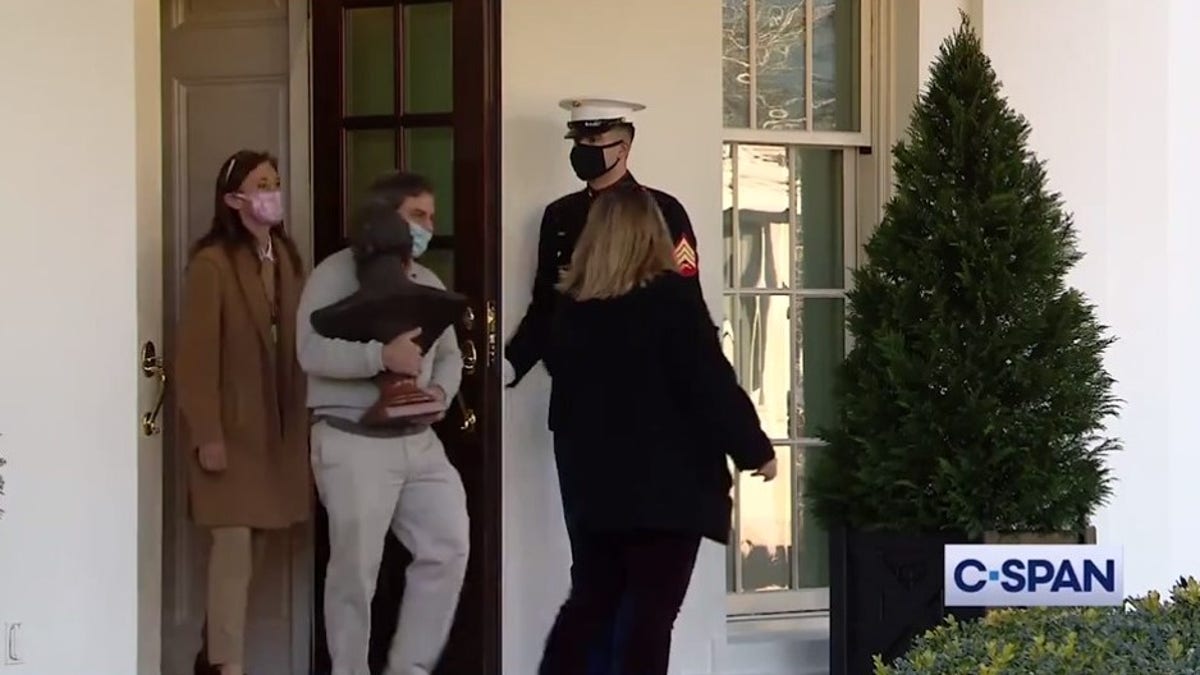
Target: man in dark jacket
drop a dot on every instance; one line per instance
(602, 136)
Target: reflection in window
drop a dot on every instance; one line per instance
(784, 333)
(764, 193)
(762, 344)
(772, 88)
(792, 83)
(780, 66)
(765, 528)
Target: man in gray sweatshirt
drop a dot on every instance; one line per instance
(372, 480)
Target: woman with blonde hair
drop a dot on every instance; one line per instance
(651, 408)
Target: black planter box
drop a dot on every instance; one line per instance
(885, 589)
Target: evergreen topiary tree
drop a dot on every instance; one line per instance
(975, 393)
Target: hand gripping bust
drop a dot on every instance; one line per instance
(388, 304)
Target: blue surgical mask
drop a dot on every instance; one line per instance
(421, 238)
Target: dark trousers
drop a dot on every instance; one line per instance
(649, 570)
(609, 641)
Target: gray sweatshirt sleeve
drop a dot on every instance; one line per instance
(447, 363)
(447, 355)
(331, 281)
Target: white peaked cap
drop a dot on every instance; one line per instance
(598, 109)
(596, 115)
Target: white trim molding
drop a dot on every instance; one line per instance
(299, 120)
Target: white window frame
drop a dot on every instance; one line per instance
(859, 212)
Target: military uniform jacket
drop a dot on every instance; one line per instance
(562, 223)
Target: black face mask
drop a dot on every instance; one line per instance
(588, 161)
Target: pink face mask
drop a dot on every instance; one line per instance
(266, 206)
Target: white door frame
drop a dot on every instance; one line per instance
(300, 114)
(147, 49)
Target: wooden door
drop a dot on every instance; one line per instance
(414, 84)
(225, 87)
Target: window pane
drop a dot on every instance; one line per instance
(441, 262)
(820, 347)
(736, 63)
(765, 528)
(428, 58)
(837, 64)
(820, 232)
(763, 354)
(370, 63)
(779, 60)
(764, 217)
(812, 541)
(430, 152)
(369, 154)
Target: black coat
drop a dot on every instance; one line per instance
(645, 408)
(562, 223)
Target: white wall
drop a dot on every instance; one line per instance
(68, 336)
(668, 56)
(1182, 277)
(1108, 87)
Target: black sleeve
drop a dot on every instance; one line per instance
(680, 226)
(709, 385)
(527, 345)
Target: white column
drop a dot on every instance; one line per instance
(69, 559)
(1092, 80)
(1182, 281)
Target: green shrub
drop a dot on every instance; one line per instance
(975, 396)
(1148, 636)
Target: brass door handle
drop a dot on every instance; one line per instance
(470, 357)
(152, 366)
(490, 325)
(468, 415)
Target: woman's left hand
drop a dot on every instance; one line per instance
(767, 471)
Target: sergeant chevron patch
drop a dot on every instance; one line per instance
(685, 257)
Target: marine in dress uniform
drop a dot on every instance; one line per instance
(563, 221)
(590, 122)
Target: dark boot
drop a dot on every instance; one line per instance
(202, 666)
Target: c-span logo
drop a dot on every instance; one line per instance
(982, 575)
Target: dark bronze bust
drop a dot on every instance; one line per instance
(387, 304)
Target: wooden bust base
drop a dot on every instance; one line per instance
(401, 401)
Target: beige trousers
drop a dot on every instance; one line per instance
(230, 568)
(407, 485)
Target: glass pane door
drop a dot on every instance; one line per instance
(400, 57)
(414, 85)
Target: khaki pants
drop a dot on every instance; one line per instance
(230, 568)
(407, 484)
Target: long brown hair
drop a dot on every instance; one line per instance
(227, 229)
(624, 245)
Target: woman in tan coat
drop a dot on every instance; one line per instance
(241, 392)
